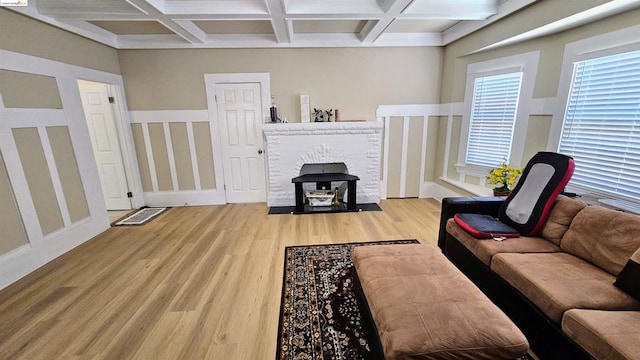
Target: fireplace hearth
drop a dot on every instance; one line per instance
(289, 147)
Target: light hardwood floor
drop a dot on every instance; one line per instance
(194, 283)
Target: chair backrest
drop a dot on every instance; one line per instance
(544, 178)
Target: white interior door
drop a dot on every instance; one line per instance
(240, 120)
(106, 147)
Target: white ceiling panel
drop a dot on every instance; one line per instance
(419, 26)
(328, 26)
(141, 24)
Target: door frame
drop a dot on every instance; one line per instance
(211, 80)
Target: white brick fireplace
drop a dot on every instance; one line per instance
(289, 146)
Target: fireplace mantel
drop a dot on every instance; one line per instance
(289, 146)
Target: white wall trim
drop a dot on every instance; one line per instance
(45, 248)
(403, 156)
(171, 157)
(22, 261)
(150, 161)
(168, 116)
(194, 157)
(24, 118)
(470, 188)
(409, 110)
(447, 146)
(423, 154)
(211, 80)
(436, 191)
(183, 198)
(385, 112)
(55, 177)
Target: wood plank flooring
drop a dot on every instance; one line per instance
(194, 283)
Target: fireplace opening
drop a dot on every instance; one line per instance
(327, 177)
(327, 168)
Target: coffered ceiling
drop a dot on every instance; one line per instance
(144, 24)
(127, 24)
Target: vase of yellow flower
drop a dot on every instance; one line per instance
(505, 177)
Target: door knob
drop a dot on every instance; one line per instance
(259, 151)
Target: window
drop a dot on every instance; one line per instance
(495, 118)
(601, 129)
(493, 113)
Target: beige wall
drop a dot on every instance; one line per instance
(204, 153)
(23, 90)
(354, 80)
(457, 56)
(31, 37)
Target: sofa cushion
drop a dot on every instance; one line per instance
(560, 217)
(557, 282)
(603, 237)
(629, 278)
(485, 249)
(425, 308)
(606, 335)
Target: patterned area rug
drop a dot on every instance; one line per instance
(319, 314)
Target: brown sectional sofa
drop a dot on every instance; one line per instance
(558, 287)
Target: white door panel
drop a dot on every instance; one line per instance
(106, 147)
(240, 118)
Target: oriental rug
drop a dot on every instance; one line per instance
(319, 313)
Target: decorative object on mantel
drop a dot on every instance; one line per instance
(273, 110)
(505, 177)
(322, 115)
(305, 112)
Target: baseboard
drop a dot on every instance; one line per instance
(184, 198)
(20, 262)
(436, 191)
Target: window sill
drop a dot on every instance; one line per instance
(473, 170)
(477, 190)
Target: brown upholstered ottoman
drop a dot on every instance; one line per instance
(425, 308)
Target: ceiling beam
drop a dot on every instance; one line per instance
(374, 28)
(165, 20)
(464, 28)
(226, 7)
(282, 28)
(237, 41)
(453, 9)
(569, 22)
(358, 7)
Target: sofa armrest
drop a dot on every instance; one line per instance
(476, 205)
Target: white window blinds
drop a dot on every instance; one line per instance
(493, 112)
(602, 125)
